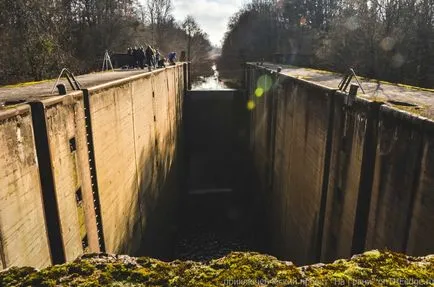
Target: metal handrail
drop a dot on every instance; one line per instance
(343, 85)
(75, 85)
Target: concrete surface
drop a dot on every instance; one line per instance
(343, 178)
(134, 140)
(375, 90)
(35, 90)
(337, 178)
(135, 125)
(65, 122)
(23, 235)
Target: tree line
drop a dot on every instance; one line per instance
(40, 37)
(391, 40)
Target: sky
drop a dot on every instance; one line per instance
(212, 15)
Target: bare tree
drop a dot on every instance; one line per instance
(191, 28)
(386, 39)
(159, 14)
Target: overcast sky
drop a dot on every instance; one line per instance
(212, 15)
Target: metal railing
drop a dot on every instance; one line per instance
(343, 85)
(75, 85)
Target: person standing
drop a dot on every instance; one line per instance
(136, 57)
(157, 57)
(172, 58)
(149, 55)
(141, 56)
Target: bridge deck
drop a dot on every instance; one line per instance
(411, 99)
(27, 91)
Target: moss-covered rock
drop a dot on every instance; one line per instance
(372, 268)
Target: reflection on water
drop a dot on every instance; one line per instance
(210, 83)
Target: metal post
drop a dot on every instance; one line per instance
(62, 89)
(189, 75)
(352, 95)
(184, 70)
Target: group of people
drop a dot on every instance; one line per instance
(150, 57)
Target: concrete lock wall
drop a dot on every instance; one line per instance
(23, 235)
(347, 175)
(400, 214)
(81, 173)
(134, 137)
(66, 130)
(300, 149)
(352, 139)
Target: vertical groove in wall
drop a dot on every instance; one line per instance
(184, 70)
(2, 252)
(93, 173)
(414, 190)
(366, 179)
(272, 130)
(189, 76)
(326, 175)
(51, 209)
(156, 138)
(138, 182)
(185, 140)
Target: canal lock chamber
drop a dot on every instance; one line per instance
(216, 205)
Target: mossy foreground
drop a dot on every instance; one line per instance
(372, 268)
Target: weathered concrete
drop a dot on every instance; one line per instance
(300, 154)
(66, 127)
(134, 147)
(353, 131)
(422, 217)
(401, 150)
(414, 99)
(36, 90)
(339, 175)
(346, 174)
(107, 150)
(23, 239)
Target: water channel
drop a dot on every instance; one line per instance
(203, 222)
(210, 83)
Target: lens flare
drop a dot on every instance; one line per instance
(398, 60)
(352, 23)
(250, 105)
(264, 82)
(259, 92)
(387, 43)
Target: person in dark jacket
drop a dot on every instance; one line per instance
(172, 58)
(149, 55)
(157, 57)
(141, 57)
(136, 57)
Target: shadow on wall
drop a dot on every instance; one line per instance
(344, 176)
(136, 130)
(102, 134)
(156, 210)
